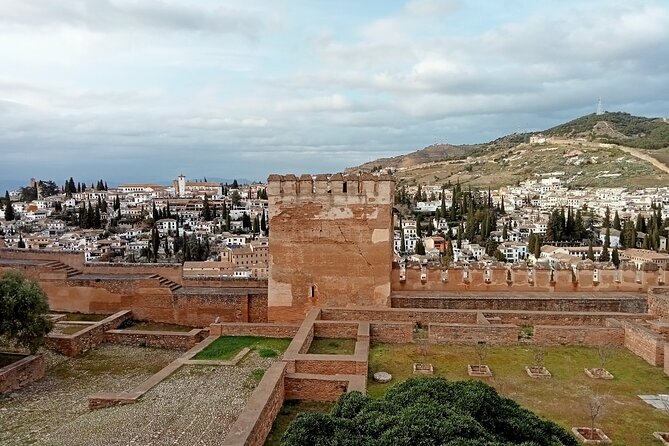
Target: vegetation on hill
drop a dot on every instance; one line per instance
(618, 128)
(427, 411)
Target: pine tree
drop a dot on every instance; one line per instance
(9, 209)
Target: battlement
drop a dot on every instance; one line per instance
(332, 188)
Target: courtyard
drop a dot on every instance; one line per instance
(194, 406)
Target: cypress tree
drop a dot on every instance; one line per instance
(21, 243)
(615, 258)
(420, 248)
(263, 222)
(9, 209)
(616, 221)
(591, 253)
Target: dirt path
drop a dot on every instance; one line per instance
(642, 156)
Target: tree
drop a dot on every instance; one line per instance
(23, 312)
(235, 198)
(206, 210)
(616, 221)
(591, 253)
(615, 257)
(21, 244)
(604, 256)
(420, 248)
(9, 209)
(427, 411)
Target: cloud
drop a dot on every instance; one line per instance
(119, 16)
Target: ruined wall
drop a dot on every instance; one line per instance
(28, 369)
(644, 343)
(158, 339)
(331, 242)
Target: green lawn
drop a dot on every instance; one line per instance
(288, 412)
(332, 346)
(226, 347)
(626, 418)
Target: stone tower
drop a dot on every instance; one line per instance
(330, 242)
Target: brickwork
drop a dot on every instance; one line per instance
(249, 329)
(602, 302)
(472, 334)
(331, 241)
(28, 369)
(578, 335)
(392, 332)
(160, 339)
(399, 315)
(644, 343)
(457, 278)
(314, 387)
(86, 339)
(335, 329)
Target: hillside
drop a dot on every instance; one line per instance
(612, 149)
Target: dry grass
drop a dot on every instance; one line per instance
(627, 420)
(332, 346)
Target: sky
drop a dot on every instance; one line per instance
(130, 90)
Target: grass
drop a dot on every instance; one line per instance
(70, 329)
(83, 317)
(154, 326)
(226, 347)
(288, 412)
(254, 378)
(626, 419)
(332, 346)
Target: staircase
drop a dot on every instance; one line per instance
(166, 282)
(61, 267)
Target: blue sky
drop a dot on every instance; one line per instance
(131, 90)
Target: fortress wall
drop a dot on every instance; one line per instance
(331, 241)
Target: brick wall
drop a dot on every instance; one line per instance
(471, 334)
(578, 335)
(89, 337)
(314, 387)
(255, 422)
(28, 369)
(250, 329)
(335, 329)
(326, 364)
(400, 315)
(644, 343)
(392, 332)
(160, 339)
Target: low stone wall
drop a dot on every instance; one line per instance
(314, 387)
(392, 332)
(555, 317)
(578, 335)
(249, 329)
(644, 343)
(255, 422)
(89, 337)
(399, 315)
(160, 339)
(493, 334)
(335, 329)
(658, 302)
(28, 369)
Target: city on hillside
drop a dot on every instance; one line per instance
(220, 230)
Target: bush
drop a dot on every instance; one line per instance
(427, 411)
(23, 312)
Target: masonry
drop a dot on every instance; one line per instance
(330, 243)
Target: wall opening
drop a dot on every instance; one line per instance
(344, 187)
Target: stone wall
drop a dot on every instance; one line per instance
(391, 332)
(331, 241)
(399, 315)
(311, 387)
(160, 339)
(644, 343)
(86, 339)
(250, 329)
(335, 329)
(255, 422)
(28, 369)
(496, 278)
(578, 335)
(492, 334)
(658, 302)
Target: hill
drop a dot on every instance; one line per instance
(611, 149)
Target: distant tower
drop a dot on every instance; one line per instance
(599, 106)
(181, 183)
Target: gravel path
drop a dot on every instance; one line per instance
(195, 406)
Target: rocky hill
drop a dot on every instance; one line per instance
(612, 149)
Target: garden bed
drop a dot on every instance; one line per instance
(332, 346)
(226, 347)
